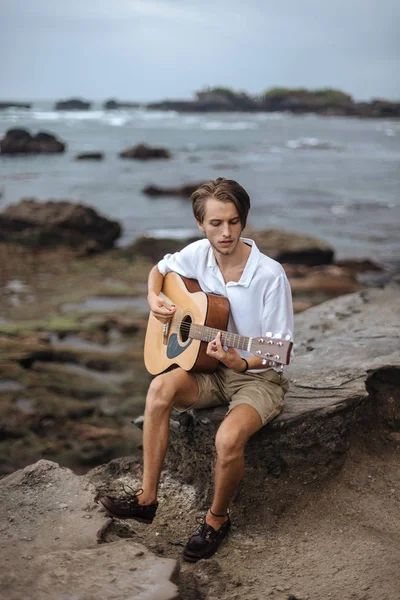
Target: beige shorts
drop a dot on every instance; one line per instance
(263, 391)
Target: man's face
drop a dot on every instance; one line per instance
(221, 225)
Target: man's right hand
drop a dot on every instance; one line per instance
(160, 308)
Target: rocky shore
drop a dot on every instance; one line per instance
(73, 319)
(315, 517)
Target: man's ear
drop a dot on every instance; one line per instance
(200, 225)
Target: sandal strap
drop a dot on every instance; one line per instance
(215, 515)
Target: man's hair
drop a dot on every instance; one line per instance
(225, 190)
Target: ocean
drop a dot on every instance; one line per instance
(334, 178)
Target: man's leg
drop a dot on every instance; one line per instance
(174, 387)
(234, 432)
(240, 424)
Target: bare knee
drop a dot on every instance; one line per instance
(229, 445)
(160, 395)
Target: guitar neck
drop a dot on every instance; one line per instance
(207, 334)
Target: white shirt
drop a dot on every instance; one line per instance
(260, 302)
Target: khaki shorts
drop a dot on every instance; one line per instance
(263, 391)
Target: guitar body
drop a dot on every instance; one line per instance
(164, 350)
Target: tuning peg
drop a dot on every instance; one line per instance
(278, 336)
(268, 334)
(276, 357)
(279, 344)
(264, 361)
(287, 338)
(272, 363)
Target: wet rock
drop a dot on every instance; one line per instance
(143, 152)
(156, 248)
(72, 104)
(20, 141)
(56, 551)
(54, 223)
(295, 248)
(90, 156)
(185, 190)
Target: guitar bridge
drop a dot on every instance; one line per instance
(166, 327)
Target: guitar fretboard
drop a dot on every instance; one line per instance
(206, 334)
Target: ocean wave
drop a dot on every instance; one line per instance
(229, 126)
(310, 144)
(174, 234)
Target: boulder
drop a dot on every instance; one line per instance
(20, 141)
(72, 104)
(346, 371)
(52, 544)
(289, 247)
(143, 152)
(57, 222)
(185, 190)
(90, 156)
(156, 248)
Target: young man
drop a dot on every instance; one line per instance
(260, 301)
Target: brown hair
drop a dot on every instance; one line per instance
(225, 190)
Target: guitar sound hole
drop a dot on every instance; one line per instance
(185, 328)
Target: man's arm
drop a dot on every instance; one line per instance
(160, 308)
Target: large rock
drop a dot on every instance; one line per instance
(347, 369)
(20, 141)
(185, 190)
(143, 152)
(52, 544)
(290, 247)
(57, 222)
(72, 104)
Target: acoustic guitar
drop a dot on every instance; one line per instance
(198, 318)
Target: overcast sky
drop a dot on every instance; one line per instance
(155, 49)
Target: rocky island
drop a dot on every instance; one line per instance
(324, 102)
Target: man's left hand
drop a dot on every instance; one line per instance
(230, 357)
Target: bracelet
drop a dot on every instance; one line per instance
(247, 366)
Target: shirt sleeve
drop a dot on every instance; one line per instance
(278, 309)
(183, 262)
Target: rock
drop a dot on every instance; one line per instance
(185, 190)
(294, 248)
(57, 222)
(20, 141)
(52, 543)
(143, 152)
(90, 156)
(115, 105)
(327, 279)
(5, 105)
(72, 104)
(346, 371)
(156, 248)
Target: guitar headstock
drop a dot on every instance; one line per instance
(273, 348)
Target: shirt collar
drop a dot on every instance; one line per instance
(251, 264)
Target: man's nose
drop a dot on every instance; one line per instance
(226, 231)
